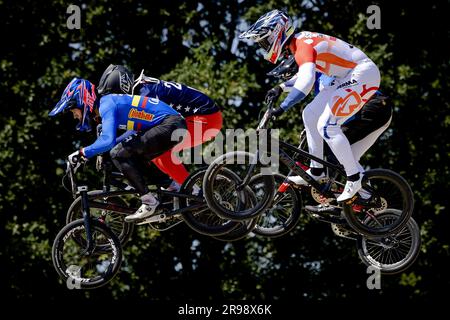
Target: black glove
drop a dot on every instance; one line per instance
(277, 113)
(273, 94)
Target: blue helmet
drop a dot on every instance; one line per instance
(80, 94)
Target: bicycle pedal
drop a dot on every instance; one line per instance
(351, 200)
(156, 218)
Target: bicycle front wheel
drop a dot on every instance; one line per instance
(113, 216)
(203, 219)
(387, 190)
(284, 213)
(229, 198)
(81, 269)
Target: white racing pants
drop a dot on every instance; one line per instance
(335, 104)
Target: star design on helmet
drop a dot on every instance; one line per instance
(179, 107)
(196, 109)
(187, 109)
(171, 104)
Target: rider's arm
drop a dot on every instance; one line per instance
(125, 135)
(305, 56)
(320, 82)
(107, 139)
(288, 85)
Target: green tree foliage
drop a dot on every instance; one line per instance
(195, 43)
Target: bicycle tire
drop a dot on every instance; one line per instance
(193, 220)
(371, 259)
(74, 212)
(208, 187)
(66, 233)
(294, 217)
(244, 228)
(403, 187)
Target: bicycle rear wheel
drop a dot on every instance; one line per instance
(203, 220)
(394, 253)
(84, 270)
(234, 206)
(387, 190)
(244, 228)
(284, 213)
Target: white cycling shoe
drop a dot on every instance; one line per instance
(145, 211)
(300, 181)
(350, 189)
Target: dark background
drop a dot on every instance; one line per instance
(195, 43)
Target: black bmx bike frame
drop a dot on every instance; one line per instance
(291, 161)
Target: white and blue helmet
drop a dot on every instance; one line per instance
(271, 32)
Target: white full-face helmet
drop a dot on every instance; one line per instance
(272, 32)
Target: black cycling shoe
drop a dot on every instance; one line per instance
(323, 208)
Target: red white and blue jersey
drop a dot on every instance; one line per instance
(316, 52)
(133, 113)
(185, 100)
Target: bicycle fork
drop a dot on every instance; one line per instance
(83, 191)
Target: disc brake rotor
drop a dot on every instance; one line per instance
(341, 231)
(383, 205)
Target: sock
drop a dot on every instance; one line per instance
(316, 171)
(148, 199)
(353, 177)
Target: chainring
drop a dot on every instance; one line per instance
(381, 208)
(317, 196)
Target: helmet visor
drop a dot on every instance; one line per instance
(264, 44)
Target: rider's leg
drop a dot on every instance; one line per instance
(360, 147)
(146, 146)
(125, 159)
(349, 97)
(367, 126)
(310, 116)
(201, 128)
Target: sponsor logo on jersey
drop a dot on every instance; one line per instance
(345, 106)
(141, 115)
(347, 83)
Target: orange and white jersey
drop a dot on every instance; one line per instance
(357, 78)
(318, 52)
(331, 55)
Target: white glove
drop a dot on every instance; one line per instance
(76, 159)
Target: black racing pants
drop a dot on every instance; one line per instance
(146, 145)
(375, 114)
